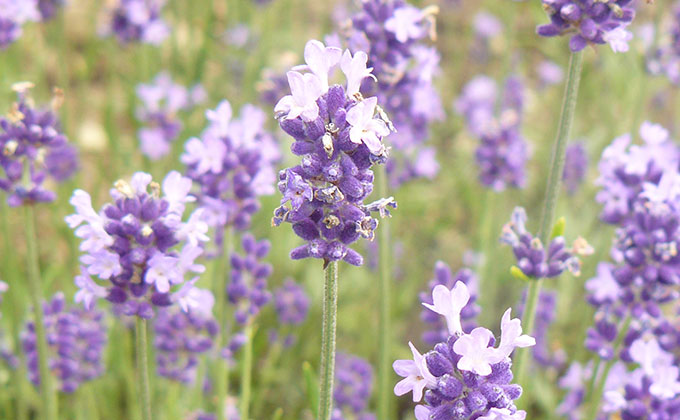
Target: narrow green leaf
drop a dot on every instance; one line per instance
(518, 274)
(558, 228)
(312, 387)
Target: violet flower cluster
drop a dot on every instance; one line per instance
(353, 388)
(138, 247)
(75, 339)
(138, 21)
(664, 59)
(181, 338)
(339, 138)
(496, 120)
(464, 376)
(533, 259)
(161, 100)
(640, 194)
(233, 164)
(394, 35)
(444, 276)
(542, 352)
(247, 288)
(49, 8)
(33, 150)
(589, 22)
(13, 15)
(291, 303)
(575, 167)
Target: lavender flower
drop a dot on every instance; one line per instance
(589, 22)
(465, 376)
(339, 138)
(139, 246)
(625, 168)
(13, 14)
(161, 100)
(502, 152)
(75, 339)
(549, 73)
(394, 35)
(233, 164)
(575, 167)
(353, 386)
(443, 276)
(247, 289)
(34, 150)
(48, 8)
(138, 21)
(665, 59)
(652, 390)
(181, 337)
(532, 258)
(291, 303)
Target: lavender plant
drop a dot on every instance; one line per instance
(76, 339)
(465, 376)
(34, 150)
(13, 15)
(161, 100)
(339, 138)
(138, 21)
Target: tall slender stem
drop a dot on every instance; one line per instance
(596, 397)
(551, 193)
(49, 396)
(384, 322)
(219, 289)
(143, 367)
(246, 372)
(330, 312)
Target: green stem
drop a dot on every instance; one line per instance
(219, 289)
(330, 312)
(246, 372)
(384, 321)
(599, 391)
(143, 367)
(552, 191)
(48, 397)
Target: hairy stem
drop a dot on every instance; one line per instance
(551, 193)
(143, 367)
(327, 369)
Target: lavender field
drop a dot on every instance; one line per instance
(339, 209)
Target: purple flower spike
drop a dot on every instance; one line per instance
(13, 14)
(533, 259)
(444, 276)
(139, 247)
(291, 303)
(247, 288)
(138, 21)
(394, 34)
(161, 100)
(503, 152)
(575, 167)
(32, 150)
(75, 339)
(589, 22)
(466, 376)
(339, 138)
(353, 387)
(181, 337)
(48, 8)
(233, 165)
